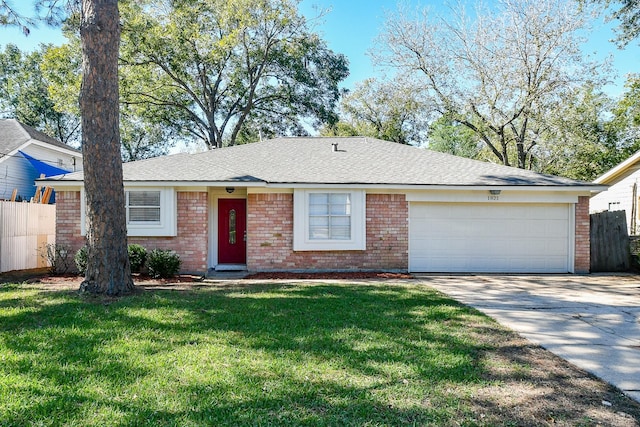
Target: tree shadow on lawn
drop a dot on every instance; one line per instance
(274, 354)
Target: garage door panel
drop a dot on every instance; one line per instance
(489, 238)
(557, 227)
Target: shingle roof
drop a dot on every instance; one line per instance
(13, 134)
(358, 160)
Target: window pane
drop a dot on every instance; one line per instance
(318, 232)
(144, 214)
(319, 198)
(339, 198)
(318, 209)
(319, 221)
(232, 227)
(330, 216)
(339, 210)
(342, 221)
(144, 198)
(341, 233)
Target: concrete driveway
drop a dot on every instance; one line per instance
(592, 321)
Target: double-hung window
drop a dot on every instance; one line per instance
(143, 207)
(329, 216)
(329, 220)
(149, 211)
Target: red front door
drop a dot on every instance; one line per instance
(232, 229)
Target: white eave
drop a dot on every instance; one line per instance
(586, 189)
(610, 175)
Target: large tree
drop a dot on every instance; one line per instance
(581, 140)
(224, 71)
(498, 72)
(389, 110)
(108, 270)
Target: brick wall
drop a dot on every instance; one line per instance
(191, 243)
(68, 221)
(583, 244)
(270, 237)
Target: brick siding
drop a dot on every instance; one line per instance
(582, 262)
(191, 243)
(68, 221)
(270, 237)
(270, 234)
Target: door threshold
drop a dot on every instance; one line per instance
(231, 267)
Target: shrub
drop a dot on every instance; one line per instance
(57, 257)
(163, 263)
(81, 260)
(137, 257)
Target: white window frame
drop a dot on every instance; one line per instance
(166, 227)
(301, 238)
(129, 207)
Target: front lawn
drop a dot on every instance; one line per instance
(280, 354)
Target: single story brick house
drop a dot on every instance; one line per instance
(356, 203)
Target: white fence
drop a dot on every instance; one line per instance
(25, 230)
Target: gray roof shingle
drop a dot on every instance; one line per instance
(13, 134)
(358, 160)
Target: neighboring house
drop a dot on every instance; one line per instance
(26, 154)
(622, 194)
(355, 203)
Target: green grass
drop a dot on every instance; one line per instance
(277, 354)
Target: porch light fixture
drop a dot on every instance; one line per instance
(230, 189)
(495, 192)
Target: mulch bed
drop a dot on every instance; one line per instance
(72, 280)
(348, 275)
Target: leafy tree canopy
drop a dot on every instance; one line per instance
(388, 110)
(498, 72)
(449, 136)
(627, 14)
(25, 80)
(225, 72)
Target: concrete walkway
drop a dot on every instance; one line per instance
(592, 321)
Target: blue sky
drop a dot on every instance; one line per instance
(351, 26)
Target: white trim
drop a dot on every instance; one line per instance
(505, 196)
(606, 177)
(301, 240)
(571, 253)
(168, 215)
(70, 152)
(586, 190)
(168, 226)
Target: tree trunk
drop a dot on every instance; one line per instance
(108, 269)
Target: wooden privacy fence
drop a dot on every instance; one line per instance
(25, 230)
(609, 242)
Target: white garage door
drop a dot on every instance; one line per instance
(498, 238)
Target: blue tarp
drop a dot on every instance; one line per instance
(44, 168)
